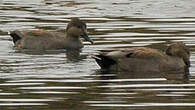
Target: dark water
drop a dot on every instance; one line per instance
(55, 80)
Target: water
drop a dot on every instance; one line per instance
(56, 80)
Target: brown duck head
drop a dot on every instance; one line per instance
(77, 28)
(179, 49)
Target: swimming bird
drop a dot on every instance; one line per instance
(45, 40)
(147, 60)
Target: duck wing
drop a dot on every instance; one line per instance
(38, 39)
(106, 60)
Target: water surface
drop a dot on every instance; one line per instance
(58, 80)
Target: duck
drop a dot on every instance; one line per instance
(144, 59)
(52, 40)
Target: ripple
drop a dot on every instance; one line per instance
(26, 100)
(170, 95)
(145, 105)
(53, 92)
(20, 84)
(85, 80)
(118, 94)
(55, 87)
(166, 89)
(50, 80)
(2, 94)
(148, 85)
(21, 104)
(105, 102)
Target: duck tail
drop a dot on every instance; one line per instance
(15, 35)
(104, 61)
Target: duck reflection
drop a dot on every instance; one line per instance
(168, 77)
(177, 76)
(139, 87)
(74, 55)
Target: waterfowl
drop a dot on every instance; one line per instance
(44, 40)
(147, 60)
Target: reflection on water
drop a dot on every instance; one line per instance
(55, 80)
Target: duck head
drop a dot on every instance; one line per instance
(77, 28)
(179, 49)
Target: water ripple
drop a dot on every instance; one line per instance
(51, 80)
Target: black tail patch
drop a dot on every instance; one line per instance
(104, 61)
(15, 37)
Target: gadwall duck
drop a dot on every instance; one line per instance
(44, 40)
(143, 59)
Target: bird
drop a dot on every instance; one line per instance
(52, 40)
(144, 59)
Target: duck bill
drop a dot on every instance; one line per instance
(86, 37)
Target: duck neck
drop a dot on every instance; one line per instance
(73, 42)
